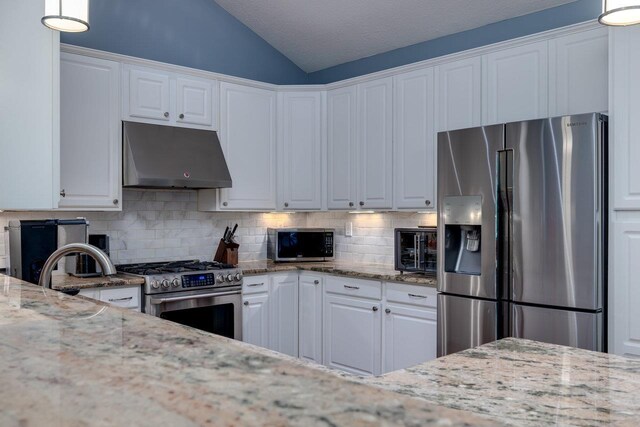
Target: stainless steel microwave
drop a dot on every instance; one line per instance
(416, 250)
(300, 244)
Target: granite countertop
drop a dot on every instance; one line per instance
(361, 271)
(74, 362)
(68, 283)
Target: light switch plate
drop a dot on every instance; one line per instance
(348, 229)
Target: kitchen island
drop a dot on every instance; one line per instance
(71, 361)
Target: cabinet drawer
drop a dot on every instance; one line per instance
(255, 284)
(411, 294)
(354, 287)
(122, 297)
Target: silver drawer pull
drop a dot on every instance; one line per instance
(120, 299)
(253, 285)
(417, 296)
(351, 287)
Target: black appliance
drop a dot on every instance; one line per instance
(416, 250)
(300, 244)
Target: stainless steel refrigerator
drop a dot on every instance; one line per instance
(522, 237)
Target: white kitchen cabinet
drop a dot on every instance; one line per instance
(414, 141)
(283, 313)
(255, 319)
(375, 149)
(516, 84)
(156, 96)
(459, 94)
(342, 148)
(90, 135)
(310, 317)
(352, 334)
(29, 107)
(125, 297)
(579, 73)
(300, 150)
(410, 336)
(248, 138)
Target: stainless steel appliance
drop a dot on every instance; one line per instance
(416, 250)
(522, 215)
(157, 156)
(300, 244)
(31, 242)
(203, 295)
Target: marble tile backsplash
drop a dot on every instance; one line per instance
(166, 225)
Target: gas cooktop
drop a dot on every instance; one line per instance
(150, 268)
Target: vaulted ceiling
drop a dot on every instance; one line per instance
(316, 34)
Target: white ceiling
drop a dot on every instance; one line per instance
(317, 34)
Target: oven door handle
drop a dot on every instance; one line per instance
(156, 301)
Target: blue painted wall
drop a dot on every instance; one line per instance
(193, 33)
(571, 13)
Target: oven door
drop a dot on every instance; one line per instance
(218, 312)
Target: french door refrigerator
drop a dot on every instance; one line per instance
(522, 211)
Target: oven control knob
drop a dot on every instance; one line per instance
(238, 277)
(229, 278)
(219, 278)
(175, 282)
(155, 284)
(165, 284)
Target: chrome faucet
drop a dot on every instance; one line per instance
(101, 258)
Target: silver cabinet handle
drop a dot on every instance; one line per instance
(351, 287)
(246, 303)
(361, 203)
(181, 116)
(350, 204)
(120, 299)
(374, 308)
(388, 310)
(427, 202)
(316, 282)
(417, 296)
(166, 114)
(225, 204)
(286, 205)
(63, 193)
(156, 301)
(252, 285)
(115, 201)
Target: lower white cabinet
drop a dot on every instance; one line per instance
(125, 297)
(310, 317)
(255, 319)
(410, 335)
(352, 334)
(283, 313)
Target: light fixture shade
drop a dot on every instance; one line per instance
(66, 15)
(620, 12)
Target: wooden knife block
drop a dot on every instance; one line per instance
(227, 253)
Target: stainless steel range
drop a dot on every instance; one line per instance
(203, 295)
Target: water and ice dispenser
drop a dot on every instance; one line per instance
(463, 234)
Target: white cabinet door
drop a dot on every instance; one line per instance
(283, 313)
(352, 334)
(579, 73)
(410, 336)
(248, 138)
(148, 95)
(516, 84)
(194, 101)
(459, 94)
(255, 319)
(342, 147)
(375, 149)
(300, 150)
(414, 148)
(310, 317)
(90, 172)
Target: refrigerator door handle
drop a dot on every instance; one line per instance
(504, 208)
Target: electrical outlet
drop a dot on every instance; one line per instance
(348, 229)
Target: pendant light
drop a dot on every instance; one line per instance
(66, 15)
(620, 12)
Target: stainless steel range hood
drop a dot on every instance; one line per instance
(171, 157)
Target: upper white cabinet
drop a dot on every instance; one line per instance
(156, 96)
(342, 133)
(283, 313)
(29, 128)
(300, 150)
(90, 172)
(516, 84)
(248, 138)
(414, 141)
(375, 150)
(310, 317)
(459, 94)
(578, 73)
